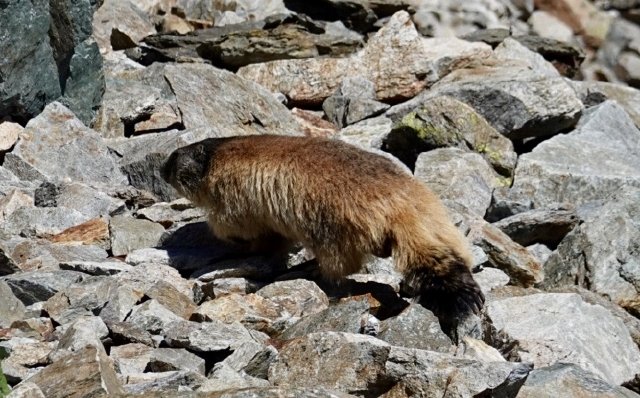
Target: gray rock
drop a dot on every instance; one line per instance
(84, 332)
(88, 372)
(9, 133)
(284, 392)
(207, 337)
(30, 254)
(443, 121)
(119, 302)
(126, 333)
(511, 49)
(130, 358)
(56, 146)
(120, 24)
(26, 359)
(186, 259)
(505, 254)
(548, 225)
(95, 267)
(26, 390)
(602, 253)
(540, 252)
(252, 358)
(172, 298)
(34, 286)
(11, 308)
(415, 327)
(299, 297)
(626, 97)
(569, 381)
(170, 213)
(598, 158)
(552, 327)
(311, 81)
(345, 316)
(128, 234)
(168, 359)
(42, 221)
(163, 382)
(354, 100)
(253, 311)
(459, 177)
(224, 378)
(517, 101)
(257, 267)
(143, 277)
(152, 317)
(87, 200)
(223, 286)
(505, 204)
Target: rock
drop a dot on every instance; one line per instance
(354, 100)
(253, 311)
(548, 226)
(167, 359)
(49, 43)
(459, 177)
(206, 337)
(92, 232)
(57, 146)
(263, 114)
(345, 316)
(85, 373)
(84, 332)
(585, 172)
(184, 259)
(279, 37)
(478, 350)
(87, 200)
(152, 317)
(283, 392)
(582, 16)
(11, 308)
(511, 49)
(143, 276)
(251, 267)
(96, 268)
(224, 378)
(169, 296)
(540, 252)
(12, 201)
(252, 358)
(298, 297)
(26, 390)
(600, 254)
(415, 327)
(545, 24)
(163, 382)
(523, 269)
(130, 358)
(572, 380)
(30, 254)
(224, 286)
(128, 234)
(42, 221)
(626, 97)
(119, 303)
(517, 101)
(170, 213)
(444, 121)
(9, 133)
(313, 124)
(34, 286)
(125, 333)
(424, 61)
(120, 24)
(552, 327)
(26, 359)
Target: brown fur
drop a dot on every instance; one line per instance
(341, 202)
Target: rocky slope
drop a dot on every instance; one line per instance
(520, 114)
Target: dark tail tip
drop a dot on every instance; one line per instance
(452, 294)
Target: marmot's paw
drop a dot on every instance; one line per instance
(454, 294)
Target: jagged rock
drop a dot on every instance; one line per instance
(626, 97)
(548, 226)
(84, 298)
(12, 201)
(225, 12)
(582, 16)
(505, 254)
(224, 378)
(170, 213)
(126, 333)
(284, 392)
(547, 25)
(252, 359)
(88, 372)
(168, 359)
(478, 350)
(444, 121)
(459, 177)
(599, 157)
(253, 311)
(163, 382)
(42, 221)
(11, 308)
(26, 390)
(128, 234)
(423, 62)
(57, 146)
(169, 296)
(354, 100)
(92, 232)
(26, 359)
(505, 204)
(130, 358)
(95, 267)
(152, 317)
(83, 332)
(30, 254)
(87, 200)
(119, 24)
(415, 327)
(511, 49)
(213, 336)
(251, 267)
(184, 259)
(572, 381)
(540, 252)
(603, 255)
(48, 43)
(375, 367)
(9, 133)
(298, 297)
(346, 316)
(143, 276)
(34, 286)
(552, 327)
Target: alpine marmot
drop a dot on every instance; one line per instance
(341, 202)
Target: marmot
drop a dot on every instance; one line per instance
(341, 202)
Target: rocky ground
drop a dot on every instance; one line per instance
(520, 114)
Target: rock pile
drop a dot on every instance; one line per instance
(111, 284)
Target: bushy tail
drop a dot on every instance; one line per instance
(433, 257)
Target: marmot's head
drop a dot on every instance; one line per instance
(187, 167)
